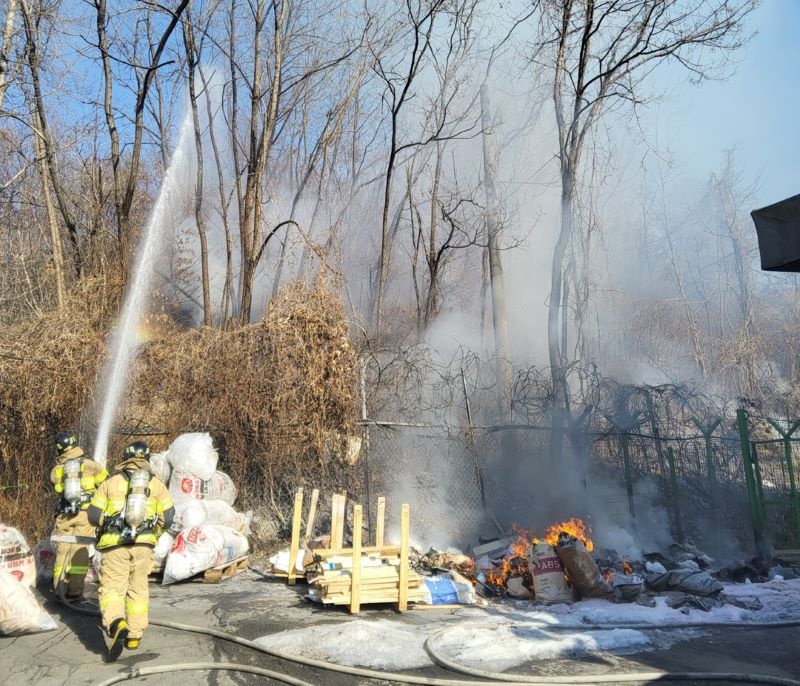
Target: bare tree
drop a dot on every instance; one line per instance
(192, 64)
(126, 173)
(5, 47)
(398, 75)
(598, 55)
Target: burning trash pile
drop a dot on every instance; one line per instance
(559, 567)
(207, 531)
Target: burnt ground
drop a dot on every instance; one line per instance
(251, 606)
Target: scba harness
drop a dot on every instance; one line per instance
(132, 521)
(74, 494)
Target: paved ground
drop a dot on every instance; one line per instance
(250, 606)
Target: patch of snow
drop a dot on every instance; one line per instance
(508, 646)
(520, 631)
(379, 644)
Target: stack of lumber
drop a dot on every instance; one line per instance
(330, 578)
(381, 573)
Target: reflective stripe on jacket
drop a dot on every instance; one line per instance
(110, 500)
(92, 474)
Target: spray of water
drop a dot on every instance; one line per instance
(123, 344)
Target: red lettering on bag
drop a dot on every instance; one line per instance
(548, 565)
(195, 535)
(178, 546)
(186, 485)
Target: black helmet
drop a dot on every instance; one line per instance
(64, 441)
(137, 449)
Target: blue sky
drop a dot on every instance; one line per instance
(757, 110)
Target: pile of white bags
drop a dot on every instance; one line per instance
(200, 548)
(207, 531)
(16, 557)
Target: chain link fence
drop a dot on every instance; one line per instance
(465, 484)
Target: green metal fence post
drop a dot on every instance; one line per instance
(759, 482)
(676, 506)
(787, 450)
(750, 481)
(711, 470)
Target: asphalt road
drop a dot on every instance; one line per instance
(250, 606)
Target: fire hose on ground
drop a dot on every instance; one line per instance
(487, 678)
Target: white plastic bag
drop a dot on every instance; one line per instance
(201, 548)
(163, 546)
(194, 454)
(184, 486)
(197, 512)
(549, 584)
(160, 466)
(45, 555)
(20, 612)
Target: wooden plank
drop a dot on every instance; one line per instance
(402, 600)
(216, 574)
(380, 521)
(334, 519)
(385, 550)
(312, 515)
(355, 575)
(338, 539)
(295, 547)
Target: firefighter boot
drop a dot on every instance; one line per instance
(132, 644)
(117, 635)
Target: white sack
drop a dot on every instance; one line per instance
(184, 486)
(163, 545)
(200, 548)
(20, 612)
(194, 454)
(279, 562)
(197, 512)
(549, 584)
(15, 556)
(160, 466)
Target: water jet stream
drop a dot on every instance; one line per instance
(123, 344)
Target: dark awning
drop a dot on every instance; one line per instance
(778, 229)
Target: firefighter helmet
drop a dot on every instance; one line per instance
(137, 449)
(64, 441)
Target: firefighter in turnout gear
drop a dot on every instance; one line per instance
(75, 478)
(131, 508)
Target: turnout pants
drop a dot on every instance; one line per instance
(123, 586)
(72, 559)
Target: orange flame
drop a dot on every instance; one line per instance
(515, 562)
(574, 527)
(626, 567)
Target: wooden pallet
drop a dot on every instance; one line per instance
(229, 569)
(361, 574)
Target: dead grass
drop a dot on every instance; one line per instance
(279, 397)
